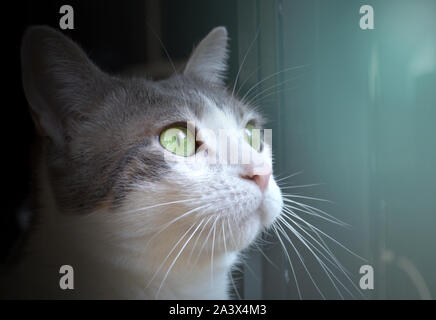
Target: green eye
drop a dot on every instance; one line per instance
(253, 137)
(179, 141)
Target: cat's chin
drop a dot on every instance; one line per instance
(248, 227)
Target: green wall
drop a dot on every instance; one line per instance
(351, 109)
(358, 115)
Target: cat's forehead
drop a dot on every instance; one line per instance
(181, 99)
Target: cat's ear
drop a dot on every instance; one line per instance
(209, 59)
(59, 81)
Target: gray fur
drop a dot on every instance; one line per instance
(99, 127)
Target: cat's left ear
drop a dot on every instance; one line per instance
(209, 59)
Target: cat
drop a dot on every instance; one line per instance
(133, 217)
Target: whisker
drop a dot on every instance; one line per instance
(328, 270)
(163, 47)
(277, 85)
(321, 263)
(324, 246)
(319, 248)
(230, 272)
(231, 232)
(289, 259)
(266, 257)
(168, 224)
(311, 213)
(203, 245)
(256, 277)
(346, 272)
(305, 197)
(243, 60)
(248, 78)
(261, 100)
(198, 237)
(166, 258)
(251, 100)
(333, 262)
(289, 176)
(156, 206)
(329, 251)
(301, 186)
(331, 238)
(310, 208)
(302, 262)
(178, 255)
(213, 247)
(271, 76)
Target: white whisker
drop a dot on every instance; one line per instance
(311, 213)
(289, 259)
(277, 85)
(301, 186)
(321, 263)
(230, 272)
(243, 60)
(198, 237)
(213, 247)
(203, 246)
(334, 262)
(168, 224)
(166, 258)
(332, 239)
(302, 262)
(248, 78)
(265, 256)
(269, 77)
(337, 264)
(261, 100)
(178, 255)
(306, 197)
(289, 176)
(156, 206)
(310, 208)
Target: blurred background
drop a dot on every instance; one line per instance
(353, 115)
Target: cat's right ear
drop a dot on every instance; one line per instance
(59, 81)
(209, 59)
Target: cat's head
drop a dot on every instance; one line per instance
(109, 152)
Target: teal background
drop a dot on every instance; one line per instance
(352, 110)
(358, 116)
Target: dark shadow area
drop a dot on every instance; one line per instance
(117, 35)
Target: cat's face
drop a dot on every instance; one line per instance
(213, 192)
(107, 159)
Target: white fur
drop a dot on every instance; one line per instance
(175, 238)
(125, 249)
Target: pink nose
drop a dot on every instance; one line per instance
(261, 180)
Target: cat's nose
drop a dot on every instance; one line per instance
(260, 177)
